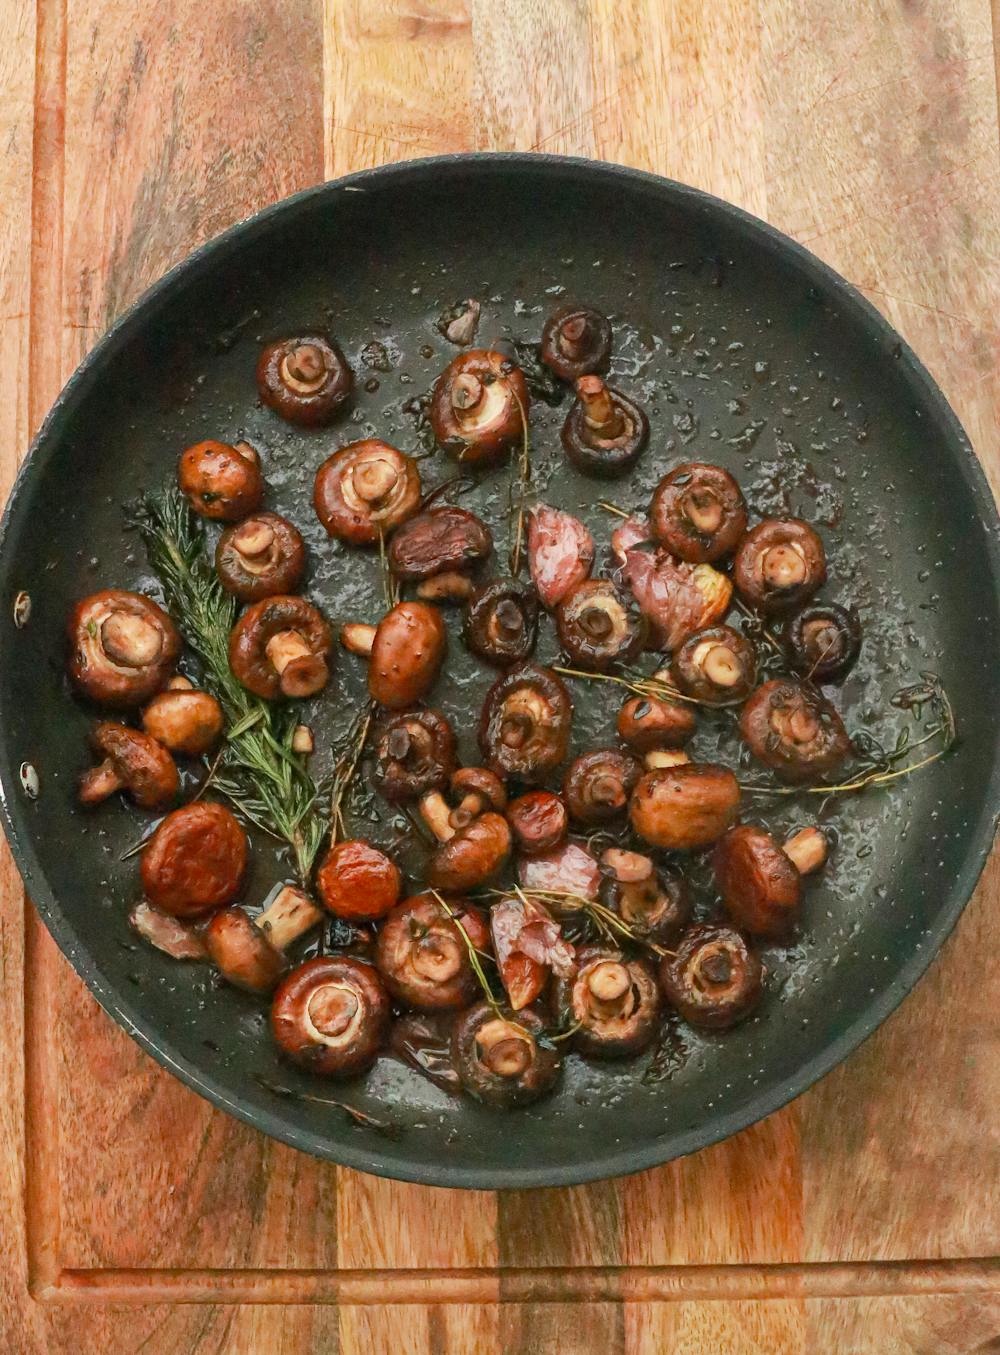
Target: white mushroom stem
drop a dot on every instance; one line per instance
(599, 411)
(807, 850)
(130, 640)
(302, 740)
(608, 981)
(358, 638)
(436, 813)
(289, 915)
(284, 648)
(665, 757)
(469, 807)
(449, 586)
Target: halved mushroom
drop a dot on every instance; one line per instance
(331, 1015)
(500, 623)
(195, 860)
(576, 341)
(280, 647)
(123, 647)
(605, 432)
(439, 550)
(479, 406)
(357, 881)
(221, 482)
(600, 625)
(698, 512)
(304, 379)
(422, 956)
(717, 666)
(686, 807)
(823, 641)
(539, 821)
(499, 1058)
(260, 557)
(646, 724)
(414, 753)
(780, 563)
(597, 785)
(365, 490)
(405, 652)
(655, 904)
(184, 720)
(560, 553)
(760, 881)
(525, 725)
(470, 854)
(612, 1002)
(250, 952)
(794, 730)
(132, 762)
(676, 598)
(713, 978)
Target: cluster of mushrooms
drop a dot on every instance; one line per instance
(522, 814)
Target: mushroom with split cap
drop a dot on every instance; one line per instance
(280, 646)
(576, 341)
(717, 666)
(560, 553)
(605, 432)
(479, 406)
(647, 723)
(331, 1015)
(597, 785)
(439, 550)
(698, 512)
(525, 724)
(823, 641)
(713, 979)
(220, 481)
(685, 807)
(260, 557)
(794, 730)
(365, 490)
(500, 623)
(760, 880)
(123, 647)
(195, 861)
(357, 881)
(655, 904)
(423, 957)
(612, 1003)
(779, 564)
(250, 952)
(184, 720)
(600, 625)
(132, 762)
(405, 652)
(304, 379)
(414, 753)
(539, 821)
(503, 1059)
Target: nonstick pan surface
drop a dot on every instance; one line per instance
(748, 352)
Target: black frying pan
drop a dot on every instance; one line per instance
(750, 352)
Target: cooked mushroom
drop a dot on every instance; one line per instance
(365, 490)
(794, 730)
(414, 753)
(250, 952)
(331, 1015)
(405, 652)
(525, 725)
(612, 1003)
(458, 323)
(560, 553)
(539, 821)
(438, 550)
(422, 956)
(655, 904)
(779, 564)
(305, 380)
(357, 881)
(280, 647)
(132, 762)
(499, 1058)
(698, 512)
(717, 666)
(221, 482)
(576, 341)
(823, 641)
(260, 557)
(479, 406)
(476, 790)
(184, 720)
(123, 647)
(686, 807)
(645, 723)
(500, 623)
(195, 860)
(597, 785)
(179, 940)
(600, 625)
(760, 881)
(470, 854)
(605, 432)
(713, 979)
(676, 598)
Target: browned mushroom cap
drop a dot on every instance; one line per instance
(122, 647)
(479, 406)
(713, 979)
(597, 785)
(195, 861)
(260, 557)
(645, 723)
(759, 883)
(132, 762)
(472, 856)
(281, 647)
(698, 512)
(500, 623)
(539, 821)
(439, 541)
(779, 564)
(250, 954)
(423, 957)
(499, 1058)
(414, 753)
(794, 730)
(576, 341)
(476, 789)
(717, 666)
(605, 432)
(655, 904)
(823, 641)
(613, 1003)
(408, 649)
(305, 380)
(684, 808)
(220, 481)
(331, 1015)
(600, 625)
(185, 721)
(365, 490)
(525, 725)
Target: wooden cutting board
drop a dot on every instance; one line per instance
(862, 1220)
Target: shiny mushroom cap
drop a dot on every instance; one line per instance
(132, 762)
(539, 821)
(366, 490)
(759, 883)
(472, 856)
(576, 341)
(479, 406)
(438, 541)
(525, 724)
(499, 1058)
(305, 379)
(195, 861)
(221, 482)
(605, 432)
(123, 647)
(686, 807)
(613, 1001)
(713, 978)
(423, 956)
(414, 753)
(780, 563)
(185, 721)
(260, 557)
(331, 1015)
(600, 625)
(357, 881)
(281, 647)
(647, 724)
(794, 730)
(698, 512)
(500, 623)
(597, 785)
(408, 649)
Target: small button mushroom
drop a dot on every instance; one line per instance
(195, 860)
(250, 953)
(698, 512)
(576, 341)
(123, 647)
(221, 482)
(479, 406)
(713, 979)
(500, 623)
(823, 641)
(331, 1015)
(525, 724)
(600, 625)
(414, 753)
(405, 652)
(717, 666)
(570, 868)
(760, 881)
(676, 598)
(365, 490)
(686, 807)
(605, 432)
(612, 1001)
(793, 730)
(499, 1058)
(597, 785)
(357, 881)
(132, 762)
(779, 564)
(471, 856)
(476, 790)
(538, 821)
(184, 720)
(281, 647)
(260, 557)
(647, 724)
(305, 380)
(438, 550)
(655, 904)
(422, 956)
(560, 553)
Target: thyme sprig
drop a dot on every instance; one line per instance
(520, 485)
(346, 769)
(475, 955)
(359, 1117)
(653, 688)
(608, 923)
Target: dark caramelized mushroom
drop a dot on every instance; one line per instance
(613, 1002)
(605, 432)
(405, 652)
(600, 625)
(501, 622)
(132, 762)
(686, 807)
(305, 380)
(779, 564)
(414, 753)
(760, 881)
(249, 953)
(560, 553)
(438, 544)
(539, 821)
(713, 979)
(123, 647)
(221, 482)
(280, 647)
(525, 725)
(195, 861)
(576, 341)
(479, 406)
(331, 1015)
(500, 1059)
(597, 785)
(655, 904)
(260, 557)
(646, 724)
(698, 512)
(422, 956)
(365, 490)
(717, 666)
(184, 720)
(823, 641)
(355, 880)
(794, 730)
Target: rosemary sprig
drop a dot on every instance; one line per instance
(612, 927)
(475, 955)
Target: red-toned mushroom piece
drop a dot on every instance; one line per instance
(184, 720)
(260, 557)
(560, 553)
(422, 956)
(131, 762)
(779, 564)
(823, 641)
(414, 753)
(500, 623)
(525, 724)
(305, 379)
(250, 952)
(676, 598)
(221, 482)
(605, 432)
(597, 785)
(760, 881)
(647, 724)
(122, 647)
(698, 512)
(281, 647)
(357, 881)
(499, 1058)
(717, 666)
(713, 979)
(539, 821)
(475, 850)
(685, 807)
(600, 625)
(439, 550)
(366, 490)
(794, 730)
(655, 904)
(331, 1015)
(576, 341)
(195, 861)
(479, 406)
(405, 652)
(612, 1003)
